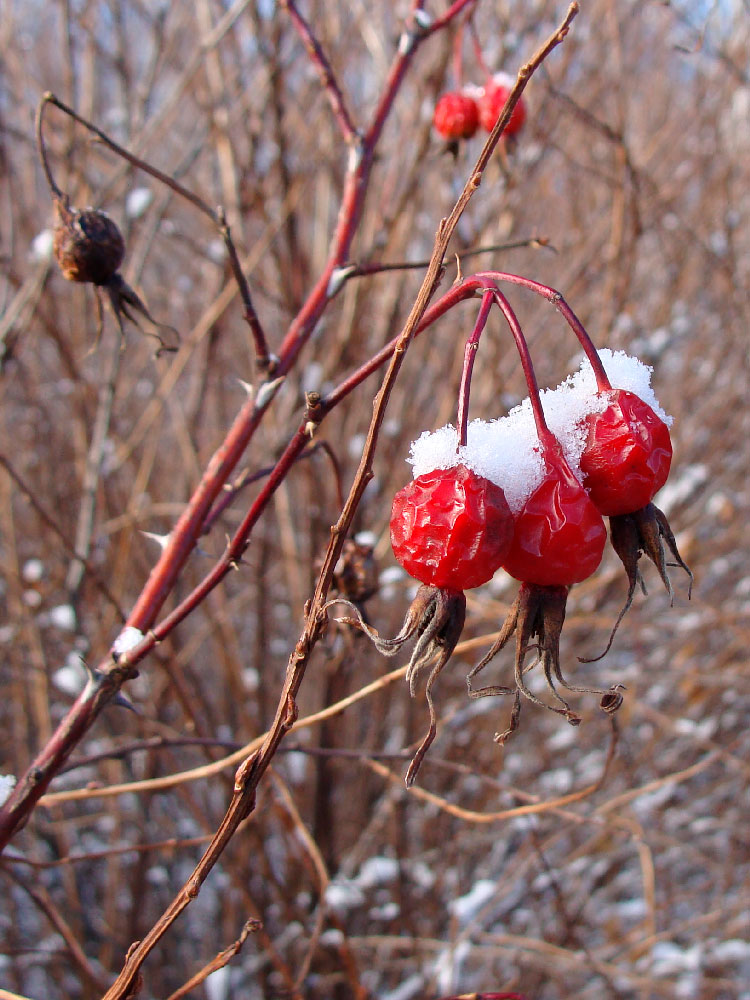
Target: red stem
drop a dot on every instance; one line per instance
(106, 681)
(458, 69)
(470, 353)
(188, 528)
(557, 300)
(528, 369)
(478, 50)
(328, 79)
(456, 294)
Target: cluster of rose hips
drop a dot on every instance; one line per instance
(460, 113)
(453, 528)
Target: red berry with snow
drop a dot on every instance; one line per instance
(491, 103)
(559, 534)
(456, 116)
(627, 455)
(451, 528)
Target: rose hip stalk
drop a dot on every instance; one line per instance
(451, 529)
(558, 541)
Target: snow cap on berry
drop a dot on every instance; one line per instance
(506, 451)
(624, 372)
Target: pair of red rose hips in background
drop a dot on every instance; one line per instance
(459, 113)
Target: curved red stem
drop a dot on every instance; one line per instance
(470, 353)
(557, 300)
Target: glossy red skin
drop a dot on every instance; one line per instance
(491, 104)
(451, 528)
(559, 534)
(627, 456)
(456, 116)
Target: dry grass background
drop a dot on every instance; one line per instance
(635, 165)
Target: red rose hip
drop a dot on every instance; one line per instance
(627, 455)
(456, 116)
(491, 103)
(451, 528)
(559, 534)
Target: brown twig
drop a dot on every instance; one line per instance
(327, 76)
(67, 545)
(42, 899)
(222, 959)
(379, 267)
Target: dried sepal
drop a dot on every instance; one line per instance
(538, 612)
(126, 302)
(643, 532)
(436, 617)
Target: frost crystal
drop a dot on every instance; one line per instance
(63, 617)
(7, 784)
(41, 246)
(137, 202)
(127, 639)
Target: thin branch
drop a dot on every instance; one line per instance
(325, 70)
(92, 472)
(222, 959)
(67, 545)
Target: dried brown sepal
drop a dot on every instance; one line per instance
(436, 617)
(644, 532)
(87, 244)
(538, 612)
(126, 302)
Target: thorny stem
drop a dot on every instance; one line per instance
(470, 353)
(557, 300)
(106, 682)
(231, 492)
